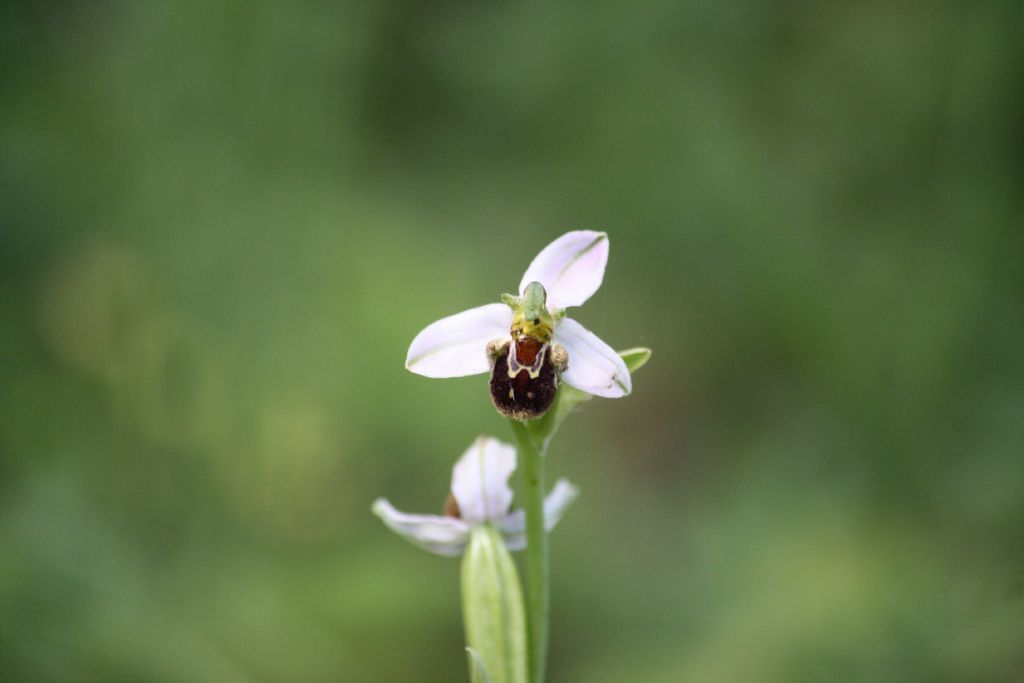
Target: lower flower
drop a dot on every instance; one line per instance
(479, 525)
(482, 495)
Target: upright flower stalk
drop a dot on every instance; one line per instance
(541, 365)
(538, 584)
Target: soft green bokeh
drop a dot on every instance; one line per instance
(222, 223)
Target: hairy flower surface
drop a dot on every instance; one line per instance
(527, 343)
(482, 495)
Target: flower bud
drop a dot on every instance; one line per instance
(492, 604)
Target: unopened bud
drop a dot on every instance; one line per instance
(492, 605)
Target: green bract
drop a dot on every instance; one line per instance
(492, 606)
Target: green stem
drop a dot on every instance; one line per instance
(537, 588)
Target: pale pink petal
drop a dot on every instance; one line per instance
(440, 535)
(480, 480)
(570, 268)
(594, 367)
(457, 345)
(513, 525)
(558, 501)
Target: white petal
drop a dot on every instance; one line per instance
(513, 526)
(570, 268)
(457, 345)
(594, 367)
(441, 535)
(558, 501)
(480, 480)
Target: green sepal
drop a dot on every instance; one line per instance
(636, 357)
(492, 607)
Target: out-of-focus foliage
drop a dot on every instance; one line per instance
(222, 223)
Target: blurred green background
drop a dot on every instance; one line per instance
(223, 223)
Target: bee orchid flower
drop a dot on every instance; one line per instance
(480, 495)
(527, 343)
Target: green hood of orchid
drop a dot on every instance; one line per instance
(530, 314)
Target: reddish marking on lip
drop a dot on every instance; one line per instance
(527, 349)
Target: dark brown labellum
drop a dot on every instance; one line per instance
(529, 389)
